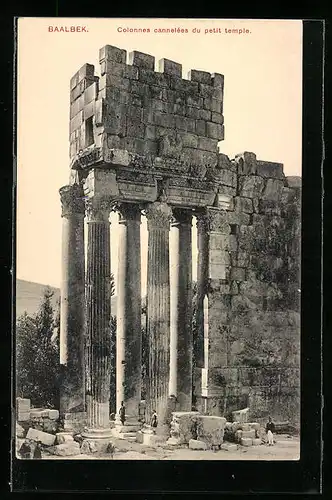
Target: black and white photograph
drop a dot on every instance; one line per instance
(158, 248)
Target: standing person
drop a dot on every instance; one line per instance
(270, 428)
(154, 421)
(122, 413)
(37, 452)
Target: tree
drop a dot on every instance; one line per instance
(37, 355)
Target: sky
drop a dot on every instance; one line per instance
(262, 67)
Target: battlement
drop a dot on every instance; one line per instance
(133, 107)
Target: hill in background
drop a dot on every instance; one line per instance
(29, 296)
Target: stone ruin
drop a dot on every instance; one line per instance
(146, 142)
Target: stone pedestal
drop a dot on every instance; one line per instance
(128, 317)
(158, 309)
(72, 308)
(181, 341)
(98, 297)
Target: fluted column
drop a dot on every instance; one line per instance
(72, 301)
(98, 302)
(181, 341)
(158, 308)
(202, 280)
(128, 318)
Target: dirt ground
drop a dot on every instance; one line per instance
(285, 448)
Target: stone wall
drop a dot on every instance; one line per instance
(134, 108)
(252, 338)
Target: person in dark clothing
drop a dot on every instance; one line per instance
(37, 453)
(270, 429)
(122, 413)
(154, 421)
(25, 450)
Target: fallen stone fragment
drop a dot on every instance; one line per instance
(20, 432)
(195, 444)
(249, 434)
(246, 442)
(228, 447)
(64, 437)
(67, 449)
(43, 437)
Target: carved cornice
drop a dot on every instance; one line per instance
(87, 158)
(159, 215)
(98, 210)
(72, 200)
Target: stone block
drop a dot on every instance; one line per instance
(207, 144)
(139, 437)
(199, 76)
(238, 274)
(205, 90)
(49, 425)
(246, 442)
(112, 54)
(76, 121)
(200, 127)
(186, 422)
(227, 177)
(86, 71)
(89, 110)
(195, 444)
(43, 437)
(23, 416)
(19, 431)
(240, 416)
(217, 118)
(111, 80)
(217, 80)
(170, 67)
(247, 163)
(294, 181)
(152, 439)
(214, 130)
(273, 189)
(67, 449)
(192, 112)
(194, 101)
(199, 158)
(249, 434)
(242, 204)
(204, 114)
(141, 59)
(269, 169)
(188, 139)
(64, 437)
(251, 186)
(210, 429)
(76, 106)
(23, 404)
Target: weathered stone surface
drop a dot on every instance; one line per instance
(247, 163)
(294, 181)
(251, 186)
(240, 416)
(186, 421)
(246, 441)
(142, 60)
(64, 437)
(269, 169)
(243, 204)
(195, 444)
(228, 447)
(20, 432)
(170, 67)
(67, 449)
(248, 434)
(199, 76)
(256, 442)
(43, 437)
(53, 414)
(113, 54)
(214, 130)
(211, 429)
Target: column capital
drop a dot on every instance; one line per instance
(213, 219)
(72, 200)
(181, 216)
(159, 215)
(98, 210)
(128, 211)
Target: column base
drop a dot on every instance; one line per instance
(96, 440)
